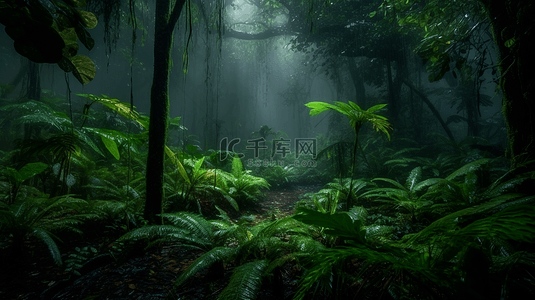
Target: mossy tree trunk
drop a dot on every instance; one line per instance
(166, 17)
(513, 30)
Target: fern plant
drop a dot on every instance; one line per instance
(40, 218)
(192, 230)
(365, 262)
(409, 198)
(258, 251)
(191, 182)
(240, 185)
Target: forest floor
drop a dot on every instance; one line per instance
(143, 275)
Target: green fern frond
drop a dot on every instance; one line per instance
(286, 226)
(193, 223)
(216, 254)
(446, 226)
(400, 161)
(237, 167)
(40, 218)
(45, 236)
(414, 178)
(245, 281)
(515, 223)
(43, 114)
(500, 187)
(150, 232)
(393, 182)
(322, 264)
(420, 186)
(468, 168)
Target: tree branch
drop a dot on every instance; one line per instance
(269, 33)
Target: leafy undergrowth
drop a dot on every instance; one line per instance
(140, 274)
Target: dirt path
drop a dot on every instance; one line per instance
(281, 203)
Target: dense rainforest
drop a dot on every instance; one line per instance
(262, 149)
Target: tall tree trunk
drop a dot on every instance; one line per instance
(166, 20)
(358, 82)
(513, 31)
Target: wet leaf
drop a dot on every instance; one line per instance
(84, 68)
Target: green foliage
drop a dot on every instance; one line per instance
(357, 116)
(409, 197)
(39, 218)
(257, 251)
(279, 176)
(76, 260)
(49, 33)
(121, 206)
(245, 281)
(338, 224)
(189, 182)
(240, 185)
(191, 230)
(448, 32)
(17, 177)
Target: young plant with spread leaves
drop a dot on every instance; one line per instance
(357, 118)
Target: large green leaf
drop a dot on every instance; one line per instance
(122, 108)
(83, 68)
(111, 146)
(82, 135)
(110, 138)
(177, 164)
(89, 19)
(31, 169)
(338, 224)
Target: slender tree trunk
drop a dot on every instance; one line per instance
(513, 31)
(358, 82)
(166, 20)
(34, 93)
(392, 105)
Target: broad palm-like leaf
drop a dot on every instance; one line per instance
(357, 117)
